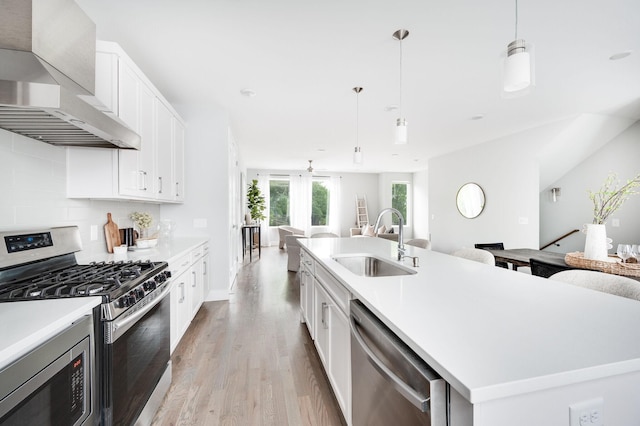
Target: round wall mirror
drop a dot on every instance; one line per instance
(470, 200)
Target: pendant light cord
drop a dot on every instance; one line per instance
(358, 119)
(516, 20)
(401, 78)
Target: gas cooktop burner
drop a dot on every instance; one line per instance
(97, 278)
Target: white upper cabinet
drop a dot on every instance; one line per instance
(164, 140)
(178, 160)
(153, 173)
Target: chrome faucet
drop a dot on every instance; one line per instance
(400, 224)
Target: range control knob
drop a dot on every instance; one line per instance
(122, 302)
(139, 293)
(150, 285)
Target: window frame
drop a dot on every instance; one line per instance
(281, 179)
(327, 184)
(407, 214)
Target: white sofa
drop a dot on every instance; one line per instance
(357, 232)
(284, 230)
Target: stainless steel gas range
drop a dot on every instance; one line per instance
(132, 325)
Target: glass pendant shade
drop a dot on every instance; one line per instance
(517, 67)
(357, 155)
(401, 131)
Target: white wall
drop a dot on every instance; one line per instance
(421, 205)
(358, 184)
(206, 206)
(509, 177)
(573, 208)
(352, 184)
(33, 194)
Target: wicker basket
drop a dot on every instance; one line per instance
(612, 265)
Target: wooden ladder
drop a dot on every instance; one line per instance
(362, 214)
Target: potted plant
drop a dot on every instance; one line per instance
(255, 201)
(609, 198)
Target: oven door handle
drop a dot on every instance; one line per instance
(119, 327)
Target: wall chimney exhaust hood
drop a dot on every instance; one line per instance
(47, 70)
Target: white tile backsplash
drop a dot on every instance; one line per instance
(33, 193)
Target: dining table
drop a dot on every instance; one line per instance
(520, 257)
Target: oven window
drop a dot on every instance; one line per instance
(59, 401)
(140, 357)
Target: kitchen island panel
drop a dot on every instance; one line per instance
(490, 332)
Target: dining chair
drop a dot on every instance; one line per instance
(544, 269)
(419, 242)
(478, 255)
(600, 281)
(495, 246)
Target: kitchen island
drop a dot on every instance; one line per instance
(521, 349)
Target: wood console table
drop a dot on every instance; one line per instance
(247, 237)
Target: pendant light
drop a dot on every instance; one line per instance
(310, 168)
(518, 74)
(401, 123)
(357, 153)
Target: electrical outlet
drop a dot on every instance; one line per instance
(94, 232)
(587, 413)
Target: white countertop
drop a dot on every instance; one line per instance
(493, 332)
(164, 251)
(25, 325)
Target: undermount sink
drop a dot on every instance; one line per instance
(371, 266)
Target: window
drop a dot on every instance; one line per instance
(400, 200)
(320, 202)
(279, 203)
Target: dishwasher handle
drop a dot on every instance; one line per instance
(418, 400)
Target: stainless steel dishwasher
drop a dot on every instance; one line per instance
(390, 383)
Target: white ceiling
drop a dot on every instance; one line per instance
(302, 58)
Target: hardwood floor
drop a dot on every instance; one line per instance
(249, 360)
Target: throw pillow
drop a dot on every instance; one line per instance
(382, 229)
(367, 231)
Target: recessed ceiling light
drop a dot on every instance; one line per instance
(321, 150)
(620, 55)
(394, 155)
(389, 108)
(477, 117)
(248, 93)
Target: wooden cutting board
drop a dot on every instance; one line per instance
(112, 234)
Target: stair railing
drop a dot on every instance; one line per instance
(560, 238)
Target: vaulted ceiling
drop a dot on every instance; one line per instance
(303, 58)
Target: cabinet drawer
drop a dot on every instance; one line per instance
(340, 294)
(180, 265)
(307, 260)
(197, 253)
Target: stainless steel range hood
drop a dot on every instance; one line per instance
(47, 70)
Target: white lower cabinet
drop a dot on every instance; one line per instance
(189, 276)
(197, 287)
(306, 299)
(326, 301)
(180, 309)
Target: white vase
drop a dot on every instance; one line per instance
(597, 243)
